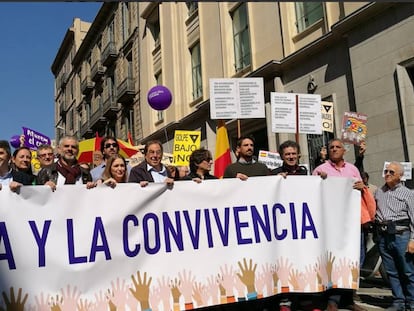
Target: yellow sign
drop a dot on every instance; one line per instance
(35, 162)
(185, 142)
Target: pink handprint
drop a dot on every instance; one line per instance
(200, 294)
(154, 298)
(311, 278)
(118, 293)
(84, 305)
(345, 271)
(70, 299)
(213, 289)
(260, 283)
(186, 286)
(240, 288)
(283, 268)
(227, 279)
(268, 278)
(165, 292)
(42, 302)
(132, 302)
(101, 303)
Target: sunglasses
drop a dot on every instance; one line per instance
(115, 145)
(391, 172)
(50, 154)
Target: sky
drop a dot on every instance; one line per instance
(31, 34)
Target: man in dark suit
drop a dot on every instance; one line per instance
(151, 169)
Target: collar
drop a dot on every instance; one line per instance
(243, 161)
(386, 187)
(333, 164)
(152, 169)
(7, 175)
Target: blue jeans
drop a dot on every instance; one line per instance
(399, 266)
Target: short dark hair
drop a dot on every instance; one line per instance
(198, 156)
(104, 140)
(241, 138)
(152, 142)
(4, 144)
(288, 143)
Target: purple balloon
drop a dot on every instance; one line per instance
(159, 97)
(15, 141)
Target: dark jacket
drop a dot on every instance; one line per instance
(140, 173)
(23, 178)
(195, 175)
(51, 173)
(296, 170)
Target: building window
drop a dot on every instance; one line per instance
(196, 71)
(125, 21)
(71, 122)
(153, 24)
(192, 7)
(307, 13)
(241, 38)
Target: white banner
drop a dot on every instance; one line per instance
(178, 248)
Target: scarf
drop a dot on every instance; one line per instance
(71, 173)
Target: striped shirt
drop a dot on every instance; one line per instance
(395, 204)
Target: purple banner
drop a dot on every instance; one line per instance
(33, 139)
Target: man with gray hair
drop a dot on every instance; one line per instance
(394, 223)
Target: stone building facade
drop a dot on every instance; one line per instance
(357, 55)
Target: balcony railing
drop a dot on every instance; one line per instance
(97, 117)
(64, 80)
(85, 128)
(87, 85)
(97, 71)
(109, 54)
(126, 91)
(110, 105)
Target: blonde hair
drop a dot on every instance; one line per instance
(107, 172)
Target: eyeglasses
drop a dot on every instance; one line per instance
(115, 145)
(391, 172)
(44, 155)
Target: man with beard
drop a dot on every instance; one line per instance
(246, 166)
(109, 148)
(151, 169)
(66, 170)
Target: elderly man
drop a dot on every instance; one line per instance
(66, 170)
(337, 166)
(151, 169)
(394, 221)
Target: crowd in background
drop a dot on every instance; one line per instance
(390, 207)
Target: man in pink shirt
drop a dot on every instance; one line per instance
(337, 166)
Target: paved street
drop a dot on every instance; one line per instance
(374, 295)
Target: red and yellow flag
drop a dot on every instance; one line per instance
(222, 158)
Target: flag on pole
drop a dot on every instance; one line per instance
(130, 140)
(222, 158)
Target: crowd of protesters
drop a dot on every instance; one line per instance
(392, 211)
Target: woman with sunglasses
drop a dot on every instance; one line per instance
(200, 165)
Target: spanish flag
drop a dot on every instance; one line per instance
(222, 158)
(130, 140)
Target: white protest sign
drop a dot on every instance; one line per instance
(271, 159)
(237, 98)
(285, 116)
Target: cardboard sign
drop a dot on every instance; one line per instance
(354, 128)
(185, 142)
